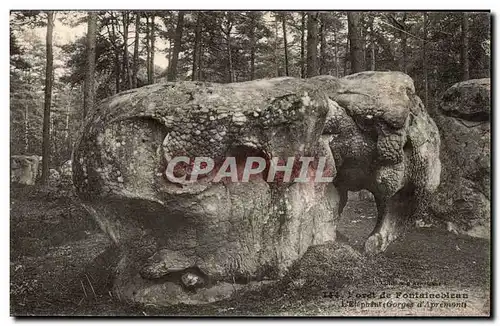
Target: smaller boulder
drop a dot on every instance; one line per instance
(54, 176)
(66, 170)
(462, 201)
(365, 195)
(24, 169)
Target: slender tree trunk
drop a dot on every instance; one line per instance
(303, 46)
(372, 43)
(346, 56)
(52, 136)
(26, 128)
(66, 128)
(49, 78)
(196, 50)
(172, 73)
(312, 44)
(200, 60)
(276, 56)
(230, 58)
(68, 138)
(424, 63)
(135, 69)
(88, 92)
(356, 53)
(363, 34)
(126, 66)
(404, 39)
(373, 65)
(229, 27)
(285, 44)
(336, 53)
(26, 114)
(152, 31)
(117, 58)
(148, 49)
(252, 46)
(464, 53)
(169, 54)
(322, 55)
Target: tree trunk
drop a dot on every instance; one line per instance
(227, 31)
(285, 44)
(126, 66)
(346, 56)
(169, 54)
(152, 31)
(252, 46)
(53, 135)
(373, 67)
(66, 129)
(312, 44)
(26, 128)
(49, 76)
(372, 43)
(148, 50)
(26, 114)
(336, 53)
(88, 92)
(356, 54)
(322, 55)
(200, 60)
(117, 58)
(136, 50)
(464, 53)
(276, 56)
(196, 50)
(230, 58)
(424, 63)
(363, 33)
(302, 46)
(172, 73)
(404, 39)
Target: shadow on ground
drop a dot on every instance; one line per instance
(61, 264)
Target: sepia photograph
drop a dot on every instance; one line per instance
(250, 163)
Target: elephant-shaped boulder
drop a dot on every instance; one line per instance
(151, 166)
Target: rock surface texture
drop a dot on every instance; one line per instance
(195, 242)
(463, 198)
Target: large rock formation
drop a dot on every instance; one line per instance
(193, 242)
(463, 198)
(24, 169)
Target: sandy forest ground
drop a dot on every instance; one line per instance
(61, 265)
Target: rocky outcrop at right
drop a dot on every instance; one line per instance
(463, 198)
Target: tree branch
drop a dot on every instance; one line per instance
(399, 29)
